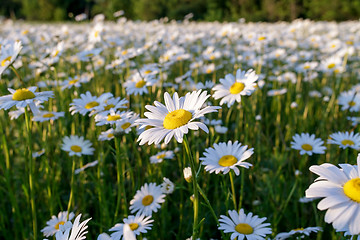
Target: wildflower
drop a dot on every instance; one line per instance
(78, 230)
(107, 135)
(138, 224)
(147, 200)
(43, 116)
(23, 97)
(77, 146)
(159, 157)
(349, 100)
(299, 232)
(187, 174)
(243, 225)
(175, 118)
(308, 144)
(340, 190)
(167, 186)
(345, 140)
(54, 223)
(88, 103)
(226, 156)
(233, 87)
(8, 54)
(90, 164)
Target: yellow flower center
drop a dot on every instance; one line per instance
(147, 72)
(133, 226)
(75, 148)
(73, 81)
(307, 147)
(237, 87)
(161, 156)
(331, 65)
(110, 135)
(349, 42)
(261, 38)
(352, 189)
(113, 117)
(58, 224)
(89, 55)
(56, 53)
(298, 229)
(306, 67)
(125, 125)
(124, 52)
(140, 84)
(244, 228)
(177, 119)
(351, 103)
(48, 115)
(92, 104)
(347, 142)
(96, 34)
(227, 160)
(212, 57)
(209, 70)
(23, 94)
(109, 106)
(147, 200)
(5, 61)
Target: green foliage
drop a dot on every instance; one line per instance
(211, 10)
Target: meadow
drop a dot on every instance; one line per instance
(172, 130)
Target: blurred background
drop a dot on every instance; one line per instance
(206, 10)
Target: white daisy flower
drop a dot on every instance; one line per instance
(76, 81)
(107, 135)
(308, 144)
(159, 157)
(42, 116)
(54, 223)
(125, 124)
(8, 54)
(110, 104)
(23, 97)
(139, 84)
(87, 103)
(226, 156)
(340, 190)
(38, 153)
(349, 100)
(354, 120)
(78, 230)
(138, 224)
(345, 140)
(243, 225)
(77, 146)
(147, 200)
(175, 118)
(167, 186)
(233, 87)
(111, 117)
(299, 232)
(104, 236)
(90, 164)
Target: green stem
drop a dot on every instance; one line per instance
(16, 73)
(241, 188)
(31, 172)
(120, 180)
(71, 187)
(233, 189)
(196, 193)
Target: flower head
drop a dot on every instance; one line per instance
(77, 146)
(308, 144)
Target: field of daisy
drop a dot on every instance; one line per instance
(180, 130)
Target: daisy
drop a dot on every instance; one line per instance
(23, 97)
(243, 225)
(354, 120)
(340, 190)
(159, 157)
(233, 87)
(226, 156)
(87, 103)
(308, 144)
(139, 84)
(77, 146)
(349, 100)
(175, 118)
(125, 124)
(147, 199)
(90, 164)
(138, 224)
(345, 140)
(54, 223)
(42, 116)
(8, 54)
(78, 230)
(107, 135)
(167, 186)
(76, 81)
(111, 117)
(300, 232)
(110, 104)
